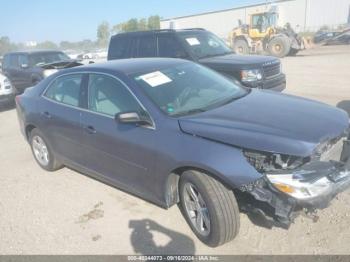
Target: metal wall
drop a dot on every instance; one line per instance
(303, 15)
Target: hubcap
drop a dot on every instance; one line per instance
(277, 48)
(196, 209)
(40, 150)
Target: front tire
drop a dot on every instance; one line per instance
(42, 152)
(279, 46)
(209, 208)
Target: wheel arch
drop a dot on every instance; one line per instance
(173, 178)
(28, 129)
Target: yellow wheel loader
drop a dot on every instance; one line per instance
(263, 35)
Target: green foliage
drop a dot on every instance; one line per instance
(103, 34)
(154, 22)
(151, 23)
(47, 45)
(6, 45)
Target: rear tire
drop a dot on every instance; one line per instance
(241, 47)
(279, 46)
(42, 152)
(216, 209)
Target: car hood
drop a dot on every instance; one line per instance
(271, 122)
(60, 64)
(241, 61)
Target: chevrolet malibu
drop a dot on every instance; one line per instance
(174, 132)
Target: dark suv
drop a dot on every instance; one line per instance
(25, 69)
(204, 48)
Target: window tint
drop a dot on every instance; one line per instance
(22, 59)
(14, 61)
(109, 96)
(169, 46)
(65, 89)
(147, 46)
(119, 48)
(6, 61)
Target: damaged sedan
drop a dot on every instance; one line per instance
(174, 132)
(27, 68)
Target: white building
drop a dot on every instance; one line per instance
(303, 15)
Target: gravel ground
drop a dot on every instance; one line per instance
(66, 212)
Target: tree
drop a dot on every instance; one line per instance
(6, 45)
(47, 45)
(154, 22)
(103, 34)
(131, 25)
(142, 24)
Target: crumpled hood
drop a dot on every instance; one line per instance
(271, 122)
(241, 61)
(60, 64)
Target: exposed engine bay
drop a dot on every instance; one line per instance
(293, 185)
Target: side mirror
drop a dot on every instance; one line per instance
(24, 66)
(132, 118)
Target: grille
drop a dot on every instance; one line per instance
(272, 70)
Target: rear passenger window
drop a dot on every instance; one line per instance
(169, 46)
(147, 46)
(119, 48)
(65, 89)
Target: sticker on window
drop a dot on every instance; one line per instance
(193, 41)
(155, 78)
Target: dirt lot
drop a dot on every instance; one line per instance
(68, 213)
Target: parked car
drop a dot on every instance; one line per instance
(7, 92)
(204, 48)
(173, 131)
(25, 69)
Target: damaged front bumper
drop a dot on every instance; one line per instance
(280, 196)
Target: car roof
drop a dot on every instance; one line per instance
(130, 66)
(38, 51)
(148, 32)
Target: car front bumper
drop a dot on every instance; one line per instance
(324, 180)
(8, 98)
(277, 83)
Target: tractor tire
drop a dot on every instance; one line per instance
(241, 47)
(279, 46)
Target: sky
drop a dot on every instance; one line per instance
(75, 20)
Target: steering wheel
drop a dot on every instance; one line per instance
(185, 95)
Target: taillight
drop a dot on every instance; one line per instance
(18, 98)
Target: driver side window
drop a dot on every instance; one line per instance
(109, 96)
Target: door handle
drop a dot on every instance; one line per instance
(46, 115)
(90, 129)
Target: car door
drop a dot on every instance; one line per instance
(60, 114)
(24, 74)
(13, 71)
(147, 46)
(121, 153)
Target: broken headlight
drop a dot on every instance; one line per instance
(269, 162)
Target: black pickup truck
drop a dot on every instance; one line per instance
(202, 47)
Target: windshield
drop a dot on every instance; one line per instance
(204, 44)
(187, 88)
(43, 58)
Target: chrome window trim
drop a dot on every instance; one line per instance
(152, 127)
